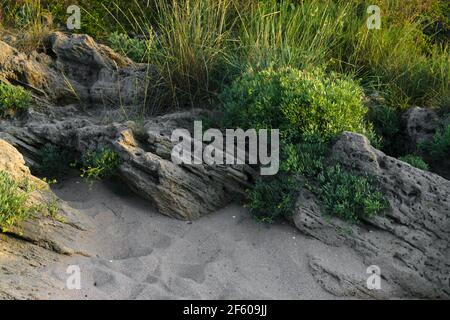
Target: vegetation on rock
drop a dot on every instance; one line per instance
(13, 98)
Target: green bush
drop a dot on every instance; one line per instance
(296, 102)
(15, 201)
(13, 98)
(55, 161)
(273, 197)
(348, 195)
(309, 108)
(415, 161)
(99, 164)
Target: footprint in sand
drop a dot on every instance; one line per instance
(102, 278)
(195, 272)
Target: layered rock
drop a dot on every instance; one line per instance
(410, 242)
(38, 241)
(76, 69)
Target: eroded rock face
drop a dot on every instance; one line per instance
(180, 191)
(75, 68)
(38, 241)
(410, 242)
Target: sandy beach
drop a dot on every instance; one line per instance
(136, 253)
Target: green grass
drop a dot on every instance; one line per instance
(439, 147)
(15, 205)
(197, 46)
(415, 161)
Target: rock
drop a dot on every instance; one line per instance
(185, 192)
(36, 242)
(75, 68)
(410, 242)
(421, 125)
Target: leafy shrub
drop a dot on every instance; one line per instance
(55, 161)
(99, 164)
(439, 147)
(273, 197)
(136, 49)
(349, 196)
(15, 201)
(296, 102)
(13, 98)
(310, 109)
(415, 161)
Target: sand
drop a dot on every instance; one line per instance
(136, 253)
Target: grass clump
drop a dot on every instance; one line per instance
(99, 164)
(13, 98)
(415, 161)
(15, 205)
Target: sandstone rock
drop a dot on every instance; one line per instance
(411, 241)
(180, 191)
(75, 68)
(38, 241)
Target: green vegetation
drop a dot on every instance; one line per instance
(99, 164)
(296, 102)
(348, 195)
(197, 46)
(439, 146)
(13, 98)
(415, 161)
(135, 49)
(298, 66)
(15, 203)
(386, 124)
(309, 108)
(55, 161)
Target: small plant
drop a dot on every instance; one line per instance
(99, 164)
(349, 196)
(136, 49)
(15, 205)
(415, 161)
(13, 98)
(55, 161)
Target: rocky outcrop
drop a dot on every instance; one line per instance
(76, 69)
(410, 242)
(184, 192)
(38, 241)
(181, 191)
